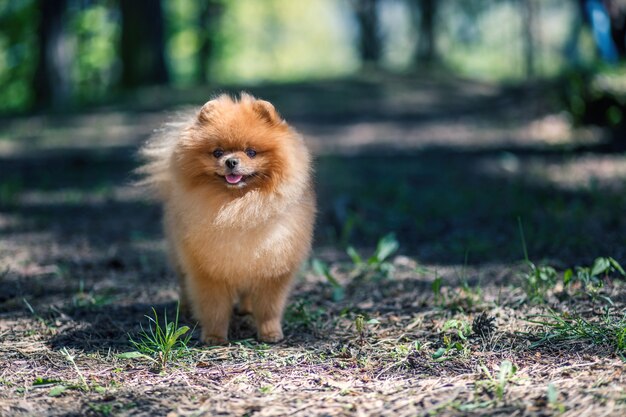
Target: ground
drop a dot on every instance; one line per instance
(491, 195)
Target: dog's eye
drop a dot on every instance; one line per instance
(251, 153)
(218, 153)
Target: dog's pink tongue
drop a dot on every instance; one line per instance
(233, 179)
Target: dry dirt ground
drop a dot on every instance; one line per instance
(445, 325)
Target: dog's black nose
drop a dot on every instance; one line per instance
(232, 162)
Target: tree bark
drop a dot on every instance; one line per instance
(529, 15)
(208, 21)
(617, 13)
(369, 37)
(426, 51)
(142, 43)
(52, 81)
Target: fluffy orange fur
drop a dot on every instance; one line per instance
(239, 207)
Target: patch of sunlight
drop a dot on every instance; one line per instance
(285, 40)
(584, 172)
(100, 130)
(71, 196)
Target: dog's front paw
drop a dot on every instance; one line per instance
(213, 340)
(274, 336)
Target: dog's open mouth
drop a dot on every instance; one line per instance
(235, 179)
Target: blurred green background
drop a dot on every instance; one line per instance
(62, 54)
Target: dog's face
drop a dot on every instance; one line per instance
(236, 146)
(237, 168)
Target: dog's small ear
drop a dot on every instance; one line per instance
(266, 111)
(205, 115)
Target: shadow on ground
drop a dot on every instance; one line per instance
(70, 220)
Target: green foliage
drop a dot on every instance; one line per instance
(279, 36)
(454, 336)
(497, 383)
(301, 313)
(436, 287)
(552, 396)
(103, 409)
(376, 266)
(44, 381)
(164, 342)
(460, 327)
(86, 299)
(321, 268)
(561, 328)
(70, 358)
(538, 280)
(592, 278)
(92, 35)
(183, 43)
(361, 325)
(596, 97)
(18, 53)
(57, 390)
(96, 35)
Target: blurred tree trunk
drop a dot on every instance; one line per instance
(142, 48)
(369, 37)
(52, 81)
(617, 13)
(529, 28)
(208, 22)
(424, 16)
(571, 49)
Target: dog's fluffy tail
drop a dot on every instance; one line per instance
(154, 175)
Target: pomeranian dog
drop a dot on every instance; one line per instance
(239, 208)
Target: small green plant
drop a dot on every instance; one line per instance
(102, 409)
(563, 328)
(266, 389)
(436, 287)
(455, 333)
(163, 342)
(57, 387)
(376, 266)
(459, 327)
(497, 384)
(552, 396)
(70, 358)
(361, 325)
(592, 278)
(301, 313)
(85, 299)
(538, 280)
(321, 268)
(348, 227)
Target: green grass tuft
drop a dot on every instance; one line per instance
(377, 266)
(163, 341)
(563, 329)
